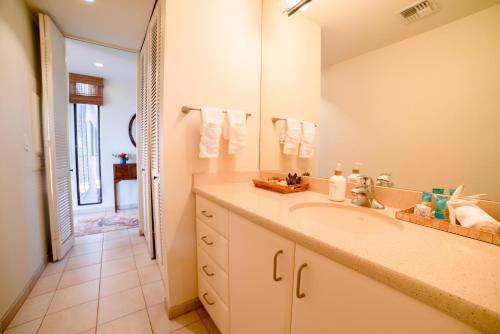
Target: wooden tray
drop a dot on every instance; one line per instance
(446, 226)
(265, 184)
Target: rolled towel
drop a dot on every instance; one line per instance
(211, 129)
(307, 140)
(472, 216)
(292, 137)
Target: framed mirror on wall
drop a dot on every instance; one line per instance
(414, 97)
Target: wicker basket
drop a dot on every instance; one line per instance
(446, 226)
(268, 185)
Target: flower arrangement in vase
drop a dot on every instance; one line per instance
(122, 156)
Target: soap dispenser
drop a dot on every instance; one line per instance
(337, 185)
(355, 175)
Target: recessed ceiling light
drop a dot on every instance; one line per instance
(89, 0)
(98, 64)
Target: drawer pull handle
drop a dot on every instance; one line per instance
(204, 238)
(275, 266)
(205, 297)
(299, 294)
(206, 214)
(204, 268)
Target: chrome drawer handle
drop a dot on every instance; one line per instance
(277, 279)
(205, 297)
(206, 214)
(204, 238)
(299, 294)
(204, 268)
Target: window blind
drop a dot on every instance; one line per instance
(86, 89)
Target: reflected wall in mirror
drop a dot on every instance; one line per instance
(417, 99)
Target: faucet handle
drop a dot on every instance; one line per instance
(365, 180)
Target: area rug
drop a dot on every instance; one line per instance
(104, 224)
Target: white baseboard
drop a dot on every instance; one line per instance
(104, 209)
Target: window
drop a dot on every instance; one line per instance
(88, 154)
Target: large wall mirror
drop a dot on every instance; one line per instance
(410, 91)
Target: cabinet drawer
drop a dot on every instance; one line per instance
(218, 311)
(214, 215)
(213, 274)
(212, 243)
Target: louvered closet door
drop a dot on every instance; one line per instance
(55, 128)
(145, 171)
(154, 104)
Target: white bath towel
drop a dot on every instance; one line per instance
(471, 216)
(292, 137)
(211, 129)
(307, 140)
(237, 131)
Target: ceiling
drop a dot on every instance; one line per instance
(119, 23)
(353, 27)
(117, 65)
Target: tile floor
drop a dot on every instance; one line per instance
(106, 284)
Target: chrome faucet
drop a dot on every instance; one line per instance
(364, 194)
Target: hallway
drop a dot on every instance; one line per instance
(107, 284)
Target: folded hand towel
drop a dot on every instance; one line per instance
(211, 129)
(237, 131)
(473, 216)
(292, 137)
(307, 140)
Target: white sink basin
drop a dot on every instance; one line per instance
(345, 218)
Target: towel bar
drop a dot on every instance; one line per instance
(276, 119)
(187, 110)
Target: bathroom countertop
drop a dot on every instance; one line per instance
(456, 275)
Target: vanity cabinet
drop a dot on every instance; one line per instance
(252, 280)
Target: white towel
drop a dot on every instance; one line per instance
(211, 129)
(469, 215)
(236, 131)
(292, 137)
(307, 140)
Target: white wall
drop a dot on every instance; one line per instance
(425, 109)
(120, 76)
(211, 57)
(23, 217)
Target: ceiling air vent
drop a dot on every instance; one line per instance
(417, 11)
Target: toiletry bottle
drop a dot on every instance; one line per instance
(354, 177)
(337, 185)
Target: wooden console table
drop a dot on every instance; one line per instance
(122, 172)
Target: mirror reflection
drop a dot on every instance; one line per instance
(405, 89)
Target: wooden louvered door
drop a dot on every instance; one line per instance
(55, 129)
(154, 128)
(144, 154)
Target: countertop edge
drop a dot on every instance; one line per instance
(474, 315)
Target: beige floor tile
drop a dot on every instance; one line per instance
(116, 253)
(82, 249)
(114, 267)
(45, 284)
(54, 267)
(83, 261)
(90, 331)
(135, 323)
(140, 248)
(202, 312)
(33, 308)
(88, 239)
(137, 239)
(149, 274)
(154, 293)
(116, 243)
(118, 234)
(163, 325)
(210, 325)
(27, 328)
(120, 304)
(75, 320)
(79, 276)
(74, 295)
(133, 231)
(196, 328)
(120, 282)
(143, 260)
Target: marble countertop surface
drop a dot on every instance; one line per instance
(456, 275)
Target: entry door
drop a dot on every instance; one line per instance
(154, 103)
(145, 166)
(55, 129)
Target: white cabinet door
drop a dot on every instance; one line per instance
(332, 298)
(260, 279)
